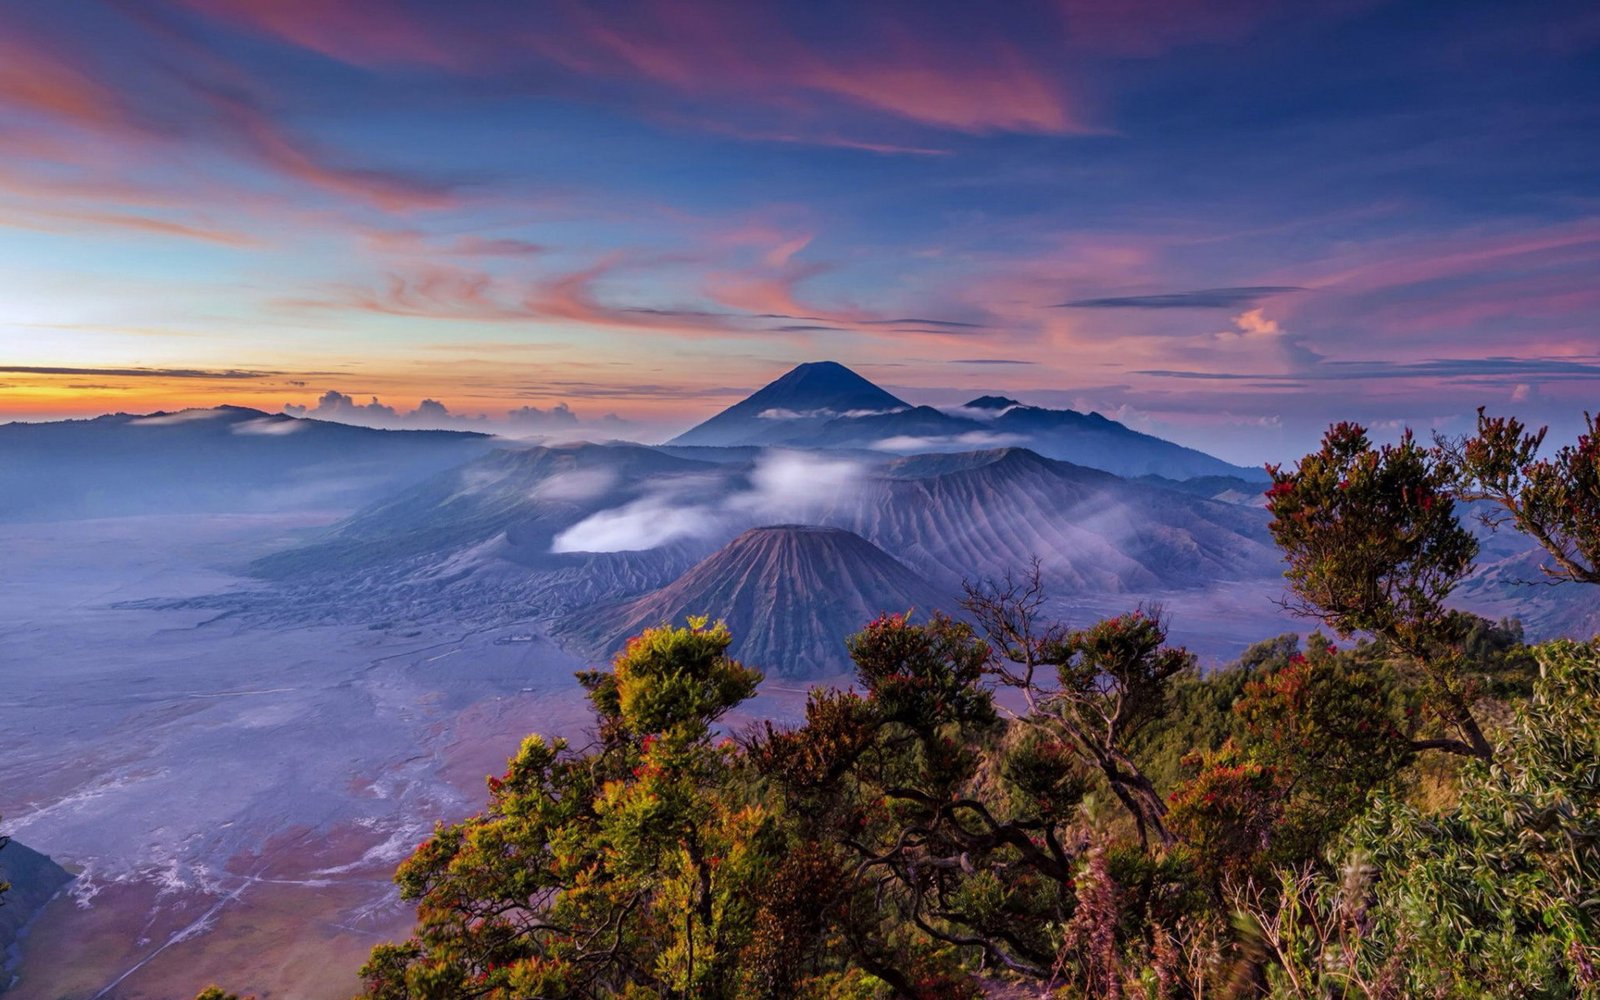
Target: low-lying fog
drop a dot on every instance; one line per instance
(235, 799)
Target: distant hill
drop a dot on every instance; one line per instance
(226, 459)
(826, 405)
(952, 515)
(790, 593)
(1233, 489)
(990, 403)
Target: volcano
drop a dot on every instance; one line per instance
(790, 593)
(796, 405)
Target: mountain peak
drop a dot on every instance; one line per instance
(826, 368)
(991, 403)
(806, 394)
(827, 380)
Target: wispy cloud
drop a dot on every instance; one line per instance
(975, 79)
(1439, 368)
(197, 373)
(555, 420)
(784, 486)
(1204, 298)
(162, 96)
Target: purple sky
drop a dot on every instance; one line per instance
(1226, 222)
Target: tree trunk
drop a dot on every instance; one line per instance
(1139, 795)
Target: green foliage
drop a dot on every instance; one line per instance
(1553, 500)
(1327, 727)
(633, 869)
(1228, 812)
(1494, 898)
(1200, 716)
(906, 834)
(1115, 681)
(895, 777)
(1044, 774)
(669, 678)
(1371, 537)
(1504, 887)
(1121, 665)
(1112, 681)
(1374, 548)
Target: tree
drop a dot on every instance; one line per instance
(1314, 737)
(1111, 681)
(629, 869)
(893, 776)
(1555, 501)
(1317, 739)
(1228, 812)
(1374, 547)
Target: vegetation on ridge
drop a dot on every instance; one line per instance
(1415, 813)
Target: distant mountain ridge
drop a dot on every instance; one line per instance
(221, 459)
(823, 404)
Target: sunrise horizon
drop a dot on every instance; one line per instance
(1204, 222)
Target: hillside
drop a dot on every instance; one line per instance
(539, 531)
(984, 513)
(519, 498)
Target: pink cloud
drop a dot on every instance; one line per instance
(977, 83)
(1443, 288)
(34, 80)
(768, 291)
(964, 74)
(82, 118)
(355, 31)
(973, 80)
(448, 292)
(247, 126)
(69, 219)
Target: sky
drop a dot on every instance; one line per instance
(1227, 222)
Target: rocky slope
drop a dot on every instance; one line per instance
(984, 513)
